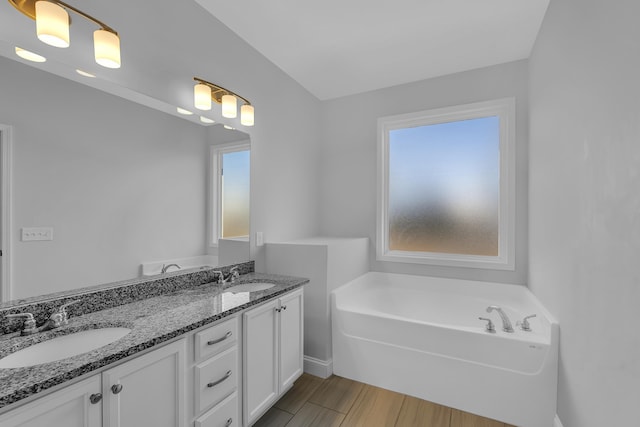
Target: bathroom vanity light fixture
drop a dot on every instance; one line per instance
(52, 27)
(204, 92)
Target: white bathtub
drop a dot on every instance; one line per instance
(421, 336)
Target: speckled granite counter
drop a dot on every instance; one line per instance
(152, 321)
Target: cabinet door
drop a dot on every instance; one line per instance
(260, 377)
(147, 390)
(291, 339)
(68, 407)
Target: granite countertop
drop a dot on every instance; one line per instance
(152, 321)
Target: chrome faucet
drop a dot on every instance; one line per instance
(233, 274)
(168, 266)
(58, 318)
(506, 323)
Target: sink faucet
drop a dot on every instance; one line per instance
(166, 267)
(233, 274)
(58, 318)
(506, 323)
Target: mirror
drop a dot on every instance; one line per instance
(101, 185)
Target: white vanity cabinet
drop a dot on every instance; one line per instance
(216, 375)
(69, 407)
(146, 390)
(272, 353)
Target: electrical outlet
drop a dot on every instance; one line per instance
(30, 234)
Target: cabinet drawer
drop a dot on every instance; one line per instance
(216, 378)
(216, 338)
(225, 414)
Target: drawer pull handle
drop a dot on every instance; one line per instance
(215, 383)
(229, 422)
(95, 398)
(214, 342)
(116, 388)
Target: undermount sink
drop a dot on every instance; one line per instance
(62, 347)
(249, 287)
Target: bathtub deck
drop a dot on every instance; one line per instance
(340, 402)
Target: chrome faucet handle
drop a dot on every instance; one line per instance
(524, 324)
(220, 275)
(234, 273)
(29, 325)
(63, 311)
(489, 327)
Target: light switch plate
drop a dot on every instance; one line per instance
(30, 234)
(259, 238)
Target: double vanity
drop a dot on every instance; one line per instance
(178, 350)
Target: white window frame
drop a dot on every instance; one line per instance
(214, 218)
(505, 110)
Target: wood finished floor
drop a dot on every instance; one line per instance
(339, 402)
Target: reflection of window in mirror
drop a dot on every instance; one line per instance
(230, 191)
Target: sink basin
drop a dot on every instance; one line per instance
(249, 287)
(62, 347)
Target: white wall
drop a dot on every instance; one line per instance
(584, 208)
(348, 156)
(111, 177)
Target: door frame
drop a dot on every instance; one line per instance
(6, 185)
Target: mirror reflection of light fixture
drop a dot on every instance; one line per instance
(52, 28)
(29, 56)
(204, 92)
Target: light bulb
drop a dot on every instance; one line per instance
(246, 115)
(52, 24)
(202, 97)
(229, 106)
(107, 48)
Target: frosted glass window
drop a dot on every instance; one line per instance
(444, 187)
(235, 194)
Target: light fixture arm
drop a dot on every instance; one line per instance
(99, 23)
(218, 91)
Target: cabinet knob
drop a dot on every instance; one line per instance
(284, 307)
(229, 422)
(116, 388)
(95, 398)
(278, 309)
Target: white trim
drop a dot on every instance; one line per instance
(556, 421)
(505, 109)
(6, 156)
(317, 367)
(214, 223)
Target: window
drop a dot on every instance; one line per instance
(446, 186)
(230, 191)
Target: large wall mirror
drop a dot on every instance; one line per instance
(117, 184)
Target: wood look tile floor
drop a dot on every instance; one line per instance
(340, 402)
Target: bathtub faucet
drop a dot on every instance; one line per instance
(506, 323)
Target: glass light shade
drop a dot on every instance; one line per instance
(229, 106)
(202, 97)
(52, 24)
(29, 56)
(107, 48)
(246, 115)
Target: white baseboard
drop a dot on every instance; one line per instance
(556, 422)
(317, 367)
